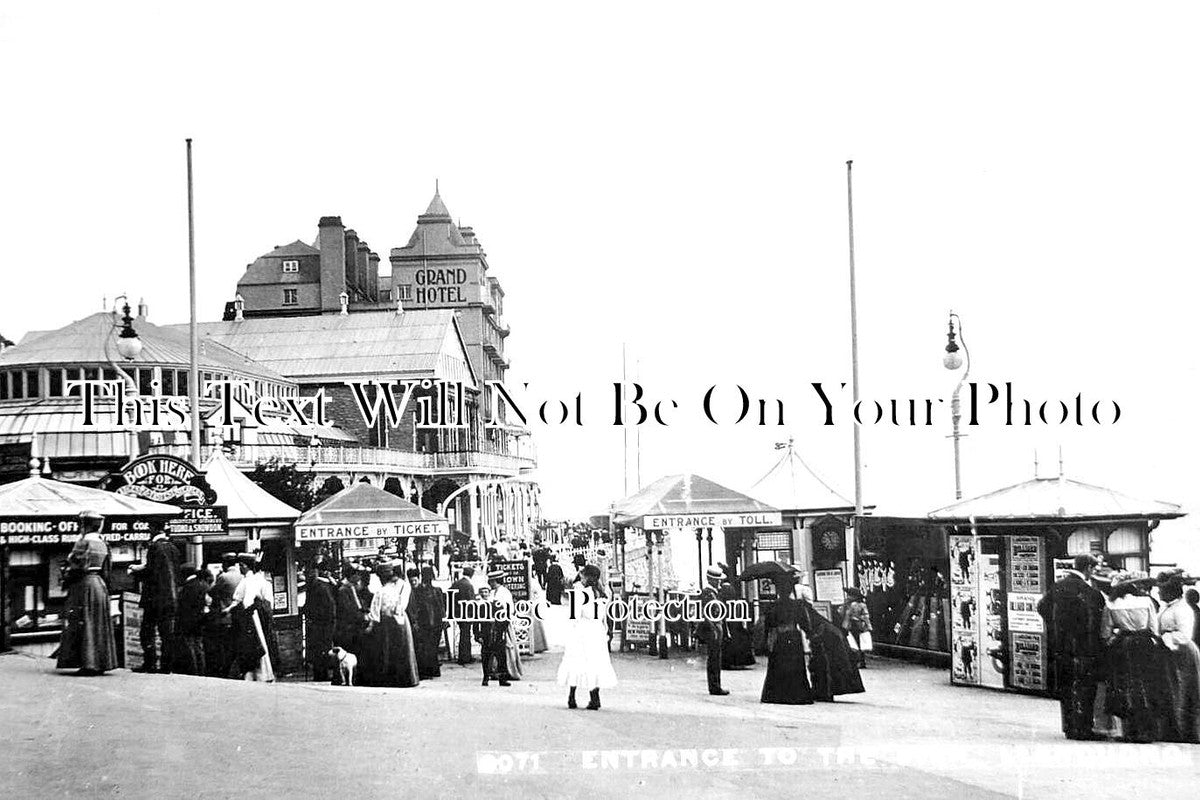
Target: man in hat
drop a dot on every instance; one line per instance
(712, 632)
(499, 632)
(429, 620)
(320, 619)
(463, 590)
(554, 581)
(190, 621)
(159, 576)
(1072, 610)
(350, 616)
(218, 654)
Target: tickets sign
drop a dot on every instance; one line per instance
(758, 519)
(372, 530)
(200, 521)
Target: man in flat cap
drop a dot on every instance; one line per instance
(1072, 610)
(711, 632)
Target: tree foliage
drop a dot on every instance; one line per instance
(285, 482)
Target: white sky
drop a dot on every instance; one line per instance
(669, 175)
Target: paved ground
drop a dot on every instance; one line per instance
(911, 735)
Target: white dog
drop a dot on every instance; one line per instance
(347, 663)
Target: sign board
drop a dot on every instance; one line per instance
(829, 586)
(636, 630)
(37, 530)
(518, 579)
(131, 626)
(164, 479)
(1022, 613)
(1028, 661)
(760, 519)
(1025, 564)
(200, 521)
(373, 530)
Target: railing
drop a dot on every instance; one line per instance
(331, 458)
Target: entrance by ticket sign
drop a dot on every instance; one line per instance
(372, 530)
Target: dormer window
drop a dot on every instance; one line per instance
(291, 266)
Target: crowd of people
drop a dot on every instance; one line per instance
(1124, 653)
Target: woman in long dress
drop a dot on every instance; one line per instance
(785, 623)
(831, 667)
(1135, 677)
(88, 643)
(1176, 624)
(253, 606)
(396, 663)
(738, 652)
(586, 662)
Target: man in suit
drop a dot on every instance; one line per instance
(463, 590)
(554, 581)
(159, 576)
(350, 615)
(219, 654)
(712, 633)
(1072, 610)
(191, 620)
(320, 619)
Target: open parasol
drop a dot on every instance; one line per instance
(767, 569)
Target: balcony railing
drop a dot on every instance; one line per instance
(382, 459)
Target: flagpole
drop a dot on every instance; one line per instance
(858, 500)
(194, 364)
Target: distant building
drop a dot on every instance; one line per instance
(443, 265)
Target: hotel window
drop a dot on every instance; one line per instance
(32, 389)
(385, 295)
(3, 385)
(168, 386)
(110, 374)
(181, 382)
(56, 383)
(145, 381)
(289, 297)
(291, 266)
(406, 291)
(74, 374)
(18, 384)
(91, 373)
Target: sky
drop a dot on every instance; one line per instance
(669, 179)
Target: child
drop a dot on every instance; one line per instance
(856, 620)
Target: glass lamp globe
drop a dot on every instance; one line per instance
(952, 360)
(129, 347)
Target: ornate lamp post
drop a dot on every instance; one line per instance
(952, 361)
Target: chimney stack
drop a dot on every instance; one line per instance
(362, 271)
(373, 276)
(352, 276)
(143, 309)
(331, 241)
(239, 307)
(345, 301)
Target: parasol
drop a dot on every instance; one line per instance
(767, 569)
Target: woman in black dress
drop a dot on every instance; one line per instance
(787, 679)
(88, 643)
(833, 669)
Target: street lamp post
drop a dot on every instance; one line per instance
(952, 361)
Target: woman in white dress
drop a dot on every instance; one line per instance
(253, 601)
(1176, 623)
(586, 661)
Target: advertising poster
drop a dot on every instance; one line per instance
(964, 610)
(829, 586)
(131, 623)
(990, 606)
(1025, 564)
(1028, 661)
(518, 579)
(1022, 613)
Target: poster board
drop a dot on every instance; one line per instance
(518, 579)
(829, 586)
(131, 625)
(635, 631)
(964, 603)
(1028, 661)
(1025, 564)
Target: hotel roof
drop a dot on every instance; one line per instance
(93, 340)
(369, 344)
(1055, 498)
